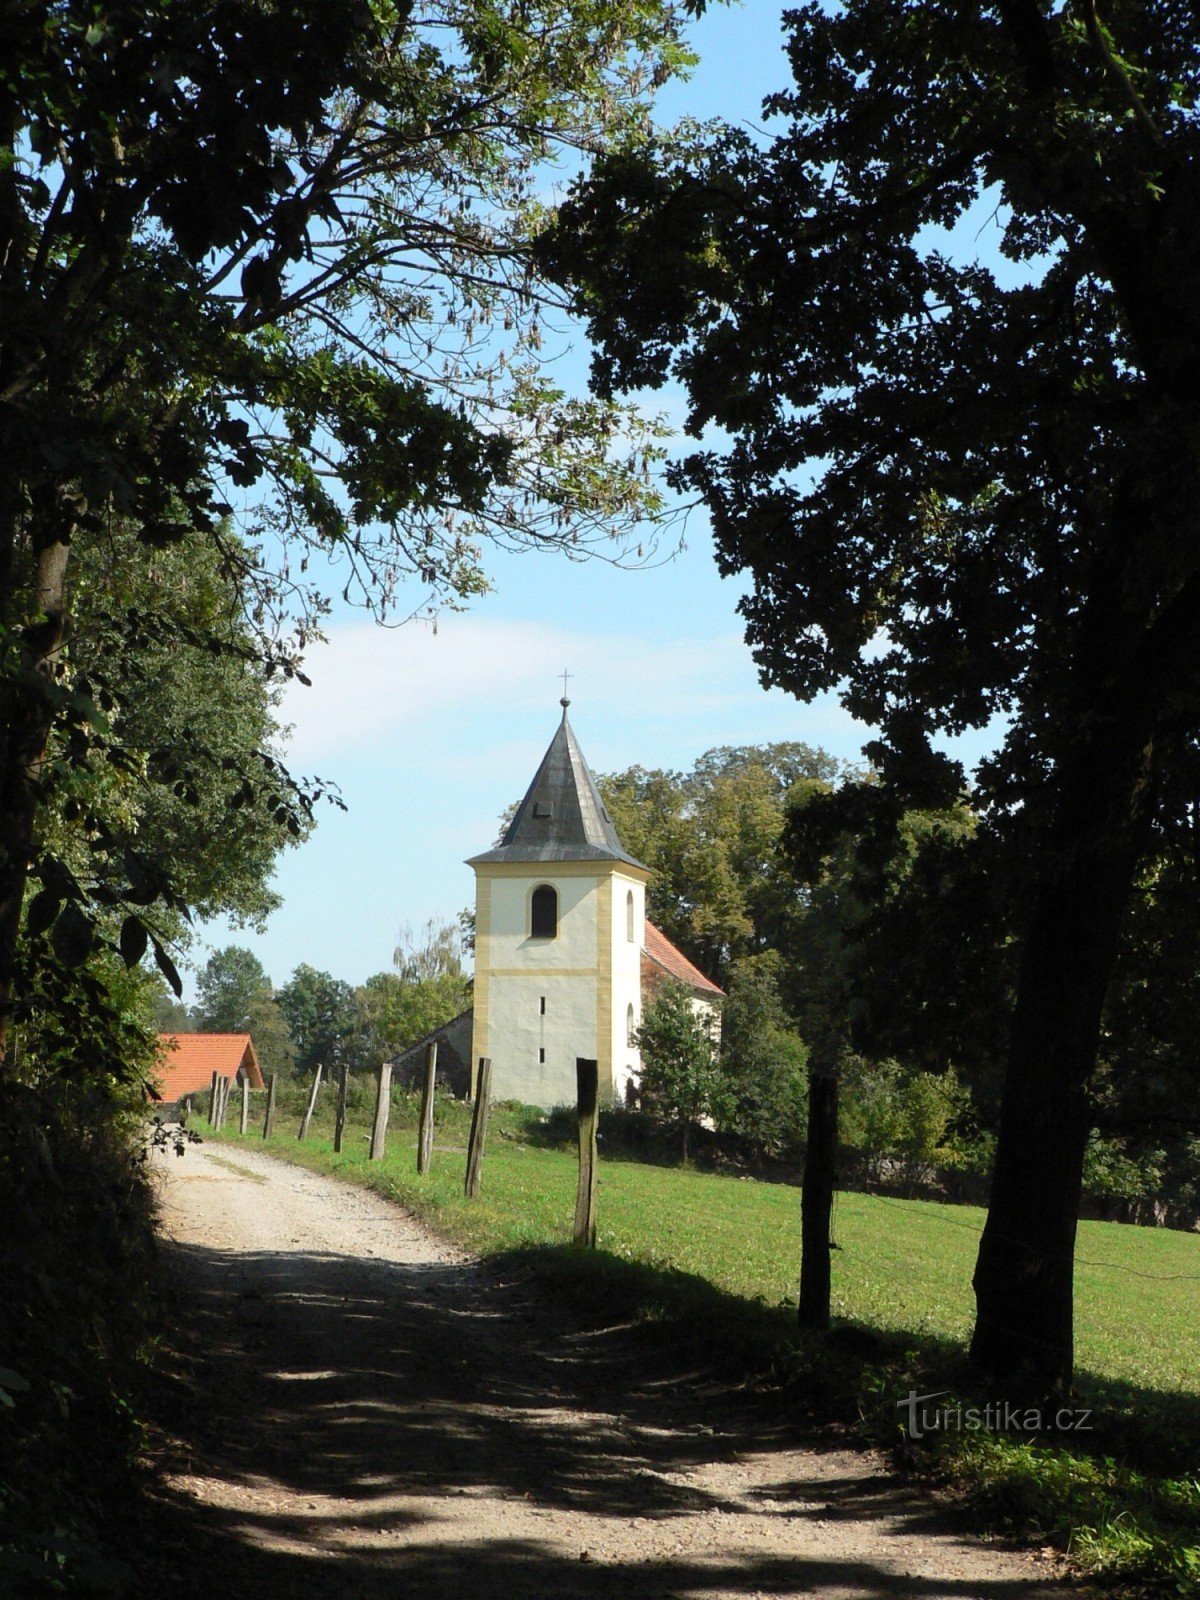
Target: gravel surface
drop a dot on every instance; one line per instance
(356, 1408)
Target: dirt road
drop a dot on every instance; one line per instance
(359, 1410)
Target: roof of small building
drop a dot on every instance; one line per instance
(187, 1061)
(562, 817)
(659, 952)
(440, 1034)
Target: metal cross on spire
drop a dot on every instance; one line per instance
(565, 702)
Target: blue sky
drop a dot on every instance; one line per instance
(430, 735)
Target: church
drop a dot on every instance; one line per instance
(564, 955)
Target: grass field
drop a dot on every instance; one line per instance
(722, 1252)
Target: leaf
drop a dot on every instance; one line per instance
(133, 940)
(43, 909)
(72, 937)
(167, 967)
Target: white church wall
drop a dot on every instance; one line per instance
(539, 997)
(511, 945)
(533, 1049)
(626, 979)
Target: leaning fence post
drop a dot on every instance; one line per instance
(213, 1096)
(312, 1104)
(483, 1096)
(245, 1105)
(587, 1076)
(383, 1104)
(339, 1119)
(269, 1119)
(425, 1137)
(222, 1099)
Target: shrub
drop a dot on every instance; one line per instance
(78, 1269)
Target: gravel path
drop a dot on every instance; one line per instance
(358, 1409)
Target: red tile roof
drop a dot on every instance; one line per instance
(187, 1061)
(660, 956)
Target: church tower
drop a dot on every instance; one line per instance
(560, 909)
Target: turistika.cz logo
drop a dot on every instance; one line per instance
(925, 1416)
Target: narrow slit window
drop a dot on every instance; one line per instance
(543, 913)
(542, 1005)
(629, 915)
(630, 1025)
(541, 1057)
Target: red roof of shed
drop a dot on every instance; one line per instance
(187, 1061)
(660, 953)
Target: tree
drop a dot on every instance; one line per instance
(280, 254)
(710, 837)
(319, 1011)
(764, 1061)
(681, 1079)
(439, 955)
(965, 485)
(268, 1027)
(232, 980)
(392, 1012)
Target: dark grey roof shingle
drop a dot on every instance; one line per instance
(562, 817)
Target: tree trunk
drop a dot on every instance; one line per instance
(1024, 1278)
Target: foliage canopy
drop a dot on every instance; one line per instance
(965, 480)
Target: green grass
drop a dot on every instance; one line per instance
(717, 1257)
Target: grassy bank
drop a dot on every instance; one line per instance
(712, 1259)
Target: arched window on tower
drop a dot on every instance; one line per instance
(543, 913)
(630, 1026)
(629, 915)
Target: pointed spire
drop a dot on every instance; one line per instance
(562, 817)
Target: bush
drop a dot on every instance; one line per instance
(77, 1261)
(681, 1080)
(899, 1123)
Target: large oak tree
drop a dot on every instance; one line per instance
(940, 337)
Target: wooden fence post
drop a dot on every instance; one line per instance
(587, 1078)
(483, 1098)
(269, 1119)
(339, 1120)
(214, 1098)
(222, 1099)
(312, 1104)
(245, 1105)
(816, 1200)
(425, 1136)
(383, 1104)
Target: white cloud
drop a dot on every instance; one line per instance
(372, 686)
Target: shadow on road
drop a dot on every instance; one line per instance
(339, 1426)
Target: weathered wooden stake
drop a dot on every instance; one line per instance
(425, 1136)
(312, 1104)
(383, 1104)
(269, 1119)
(483, 1101)
(339, 1118)
(222, 1100)
(587, 1078)
(245, 1106)
(816, 1200)
(214, 1099)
